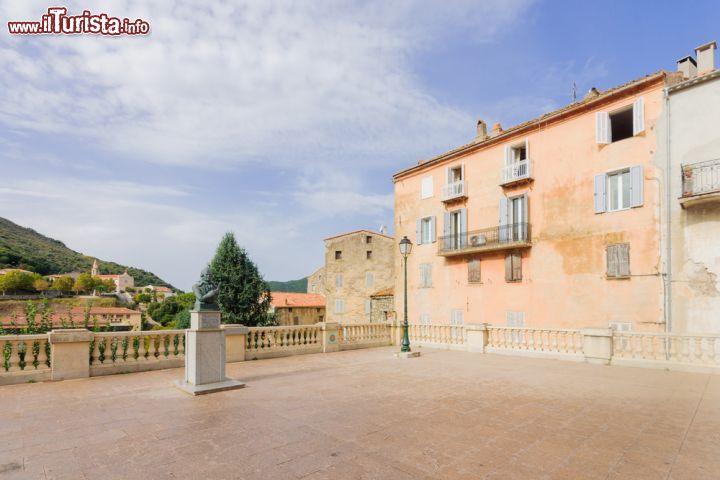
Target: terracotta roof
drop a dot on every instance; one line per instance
(106, 310)
(385, 292)
(287, 299)
(8, 270)
(112, 275)
(359, 231)
(599, 99)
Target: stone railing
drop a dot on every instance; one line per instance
(365, 335)
(442, 336)
(117, 352)
(269, 342)
(540, 341)
(25, 358)
(662, 349)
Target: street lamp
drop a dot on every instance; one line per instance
(405, 249)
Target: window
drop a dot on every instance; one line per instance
(290, 309)
(339, 305)
(513, 267)
(618, 260)
(369, 279)
(321, 318)
(474, 271)
(426, 188)
(425, 275)
(313, 288)
(514, 223)
(368, 307)
(339, 280)
(338, 254)
(455, 230)
(620, 124)
(368, 239)
(456, 317)
(296, 320)
(624, 343)
(519, 153)
(455, 174)
(619, 190)
(368, 255)
(318, 310)
(425, 230)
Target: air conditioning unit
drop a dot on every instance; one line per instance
(478, 240)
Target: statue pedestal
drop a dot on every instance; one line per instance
(205, 356)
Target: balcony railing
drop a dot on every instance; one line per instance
(454, 190)
(516, 172)
(502, 237)
(701, 178)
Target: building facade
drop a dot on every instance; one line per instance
(689, 157)
(554, 222)
(122, 281)
(316, 281)
(357, 264)
(297, 308)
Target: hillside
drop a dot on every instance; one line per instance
(299, 286)
(25, 248)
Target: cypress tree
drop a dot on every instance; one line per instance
(244, 296)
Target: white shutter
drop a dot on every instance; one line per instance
(418, 231)
(602, 127)
(508, 155)
(433, 230)
(503, 233)
(463, 228)
(600, 195)
(612, 260)
(426, 188)
(462, 172)
(636, 186)
(638, 116)
(527, 150)
(448, 175)
(447, 231)
(623, 260)
(524, 227)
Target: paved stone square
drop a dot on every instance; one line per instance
(365, 415)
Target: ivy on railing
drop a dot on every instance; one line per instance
(7, 353)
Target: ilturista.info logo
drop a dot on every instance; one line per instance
(57, 22)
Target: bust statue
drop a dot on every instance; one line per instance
(206, 292)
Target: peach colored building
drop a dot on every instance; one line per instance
(553, 222)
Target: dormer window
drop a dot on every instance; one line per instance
(625, 122)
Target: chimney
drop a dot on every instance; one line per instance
(705, 58)
(481, 132)
(497, 130)
(592, 93)
(687, 66)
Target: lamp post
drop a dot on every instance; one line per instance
(405, 249)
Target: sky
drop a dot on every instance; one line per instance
(284, 122)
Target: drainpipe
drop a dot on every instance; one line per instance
(668, 203)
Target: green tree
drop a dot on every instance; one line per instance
(244, 295)
(17, 282)
(84, 283)
(63, 284)
(40, 284)
(142, 298)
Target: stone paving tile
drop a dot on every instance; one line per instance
(366, 415)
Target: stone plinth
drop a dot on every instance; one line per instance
(235, 342)
(597, 345)
(477, 337)
(330, 337)
(205, 356)
(70, 353)
(407, 354)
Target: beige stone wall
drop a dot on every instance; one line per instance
(354, 266)
(383, 309)
(316, 282)
(299, 315)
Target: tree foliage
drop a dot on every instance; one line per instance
(63, 284)
(18, 282)
(244, 295)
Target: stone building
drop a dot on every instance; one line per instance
(316, 282)
(689, 157)
(122, 281)
(382, 306)
(357, 264)
(297, 308)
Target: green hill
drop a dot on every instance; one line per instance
(299, 286)
(25, 248)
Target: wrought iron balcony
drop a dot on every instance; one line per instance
(517, 172)
(700, 183)
(503, 237)
(454, 190)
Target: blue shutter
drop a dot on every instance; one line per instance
(447, 241)
(463, 228)
(433, 230)
(418, 231)
(636, 186)
(503, 233)
(600, 196)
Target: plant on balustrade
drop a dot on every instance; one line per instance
(45, 317)
(136, 347)
(91, 348)
(30, 314)
(176, 343)
(101, 350)
(146, 346)
(124, 346)
(48, 349)
(156, 345)
(22, 350)
(7, 352)
(113, 349)
(166, 345)
(36, 353)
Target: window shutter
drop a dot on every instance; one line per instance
(602, 127)
(418, 231)
(463, 228)
(462, 171)
(636, 186)
(600, 195)
(503, 233)
(525, 216)
(433, 231)
(638, 116)
(624, 260)
(517, 266)
(508, 155)
(527, 150)
(422, 275)
(612, 263)
(448, 176)
(447, 230)
(508, 267)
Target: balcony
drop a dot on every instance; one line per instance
(504, 237)
(454, 191)
(516, 172)
(700, 183)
